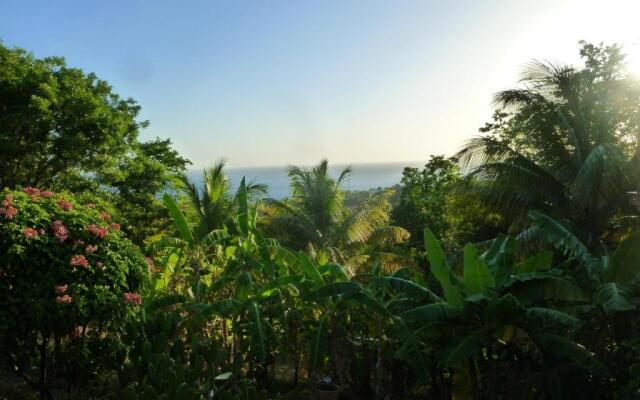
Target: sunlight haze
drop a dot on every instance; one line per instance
(272, 83)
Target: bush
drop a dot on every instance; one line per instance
(68, 277)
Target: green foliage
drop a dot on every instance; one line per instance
(565, 143)
(316, 219)
(68, 280)
(63, 129)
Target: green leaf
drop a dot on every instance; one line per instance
(440, 269)
(431, 312)
(335, 289)
(625, 263)
(477, 278)
(465, 348)
(538, 262)
(412, 289)
(613, 298)
(500, 258)
(548, 316)
(560, 346)
(179, 219)
(309, 269)
(561, 237)
(257, 331)
(243, 208)
(318, 345)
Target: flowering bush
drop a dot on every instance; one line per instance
(66, 276)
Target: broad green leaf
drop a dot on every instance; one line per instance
(405, 286)
(613, 298)
(548, 316)
(561, 237)
(465, 348)
(477, 278)
(257, 331)
(179, 219)
(625, 263)
(560, 346)
(430, 313)
(335, 289)
(440, 269)
(500, 258)
(537, 262)
(309, 269)
(319, 342)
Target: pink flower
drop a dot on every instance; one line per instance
(8, 212)
(132, 297)
(114, 226)
(31, 191)
(97, 231)
(29, 233)
(66, 299)
(91, 249)
(105, 216)
(65, 205)
(61, 289)
(59, 230)
(7, 200)
(79, 261)
(46, 193)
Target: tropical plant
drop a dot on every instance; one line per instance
(315, 219)
(565, 143)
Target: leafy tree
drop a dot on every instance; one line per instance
(566, 143)
(316, 219)
(62, 128)
(423, 197)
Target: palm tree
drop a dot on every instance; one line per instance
(565, 143)
(209, 212)
(316, 219)
(214, 204)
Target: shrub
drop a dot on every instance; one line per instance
(68, 277)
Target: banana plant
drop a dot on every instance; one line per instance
(484, 317)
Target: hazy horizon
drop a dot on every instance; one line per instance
(267, 84)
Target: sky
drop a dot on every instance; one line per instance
(270, 83)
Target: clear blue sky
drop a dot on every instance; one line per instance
(279, 82)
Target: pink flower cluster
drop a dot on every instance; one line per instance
(29, 233)
(7, 209)
(97, 231)
(114, 226)
(105, 216)
(31, 191)
(66, 299)
(91, 249)
(8, 212)
(46, 193)
(79, 261)
(65, 205)
(7, 200)
(61, 289)
(60, 231)
(132, 297)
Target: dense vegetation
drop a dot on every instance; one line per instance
(508, 271)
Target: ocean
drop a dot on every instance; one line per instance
(363, 177)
